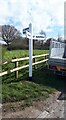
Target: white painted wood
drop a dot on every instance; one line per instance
(34, 38)
(43, 55)
(40, 62)
(26, 58)
(30, 50)
(25, 66)
(28, 35)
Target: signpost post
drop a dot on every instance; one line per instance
(30, 51)
(29, 36)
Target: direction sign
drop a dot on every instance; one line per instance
(39, 37)
(26, 29)
(28, 34)
(34, 38)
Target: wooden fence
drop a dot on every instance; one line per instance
(17, 68)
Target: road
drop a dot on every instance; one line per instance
(53, 107)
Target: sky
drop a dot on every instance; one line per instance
(46, 15)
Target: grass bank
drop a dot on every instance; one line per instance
(42, 85)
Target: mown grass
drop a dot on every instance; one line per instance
(8, 55)
(42, 85)
(23, 89)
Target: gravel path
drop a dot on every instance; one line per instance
(53, 107)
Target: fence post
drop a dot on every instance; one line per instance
(34, 62)
(33, 53)
(16, 72)
(46, 57)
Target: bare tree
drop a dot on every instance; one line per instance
(9, 33)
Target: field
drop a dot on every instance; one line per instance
(41, 86)
(20, 53)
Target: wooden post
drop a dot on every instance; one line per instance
(33, 53)
(34, 62)
(16, 73)
(46, 58)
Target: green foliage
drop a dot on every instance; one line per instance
(21, 53)
(4, 50)
(22, 91)
(18, 44)
(27, 90)
(42, 85)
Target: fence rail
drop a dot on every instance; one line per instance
(16, 61)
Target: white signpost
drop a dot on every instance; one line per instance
(30, 51)
(29, 36)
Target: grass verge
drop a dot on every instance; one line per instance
(42, 85)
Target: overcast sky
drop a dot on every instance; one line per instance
(47, 15)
